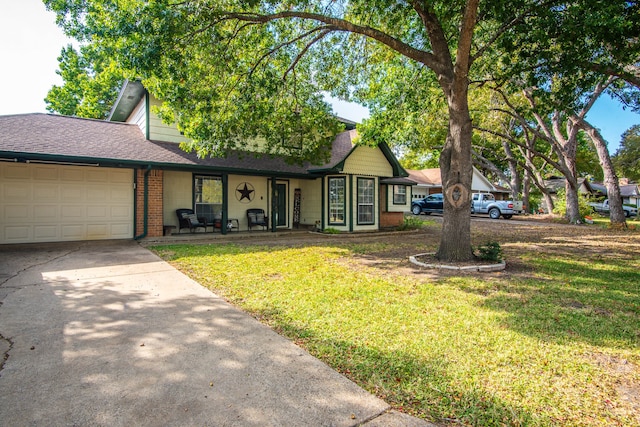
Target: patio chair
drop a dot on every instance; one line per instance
(188, 219)
(256, 217)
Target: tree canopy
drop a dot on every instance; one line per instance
(91, 84)
(627, 158)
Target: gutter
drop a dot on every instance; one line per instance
(22, 157)
(145, 226)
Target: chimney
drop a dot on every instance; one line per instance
(623, 181)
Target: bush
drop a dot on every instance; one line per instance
(535, 201)
(410, 223)
(331, 230)
(490, 251)
(583, 205)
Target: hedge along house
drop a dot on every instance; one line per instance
(65, 178)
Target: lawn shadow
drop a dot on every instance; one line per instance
(595, 301)
(409, 383)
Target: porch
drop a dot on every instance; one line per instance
(200, 237)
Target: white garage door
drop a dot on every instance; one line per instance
(51, 203)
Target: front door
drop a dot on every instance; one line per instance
(281, 204)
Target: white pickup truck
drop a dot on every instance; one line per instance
(486, 203)
(603, 208)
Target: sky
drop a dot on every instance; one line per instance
(30, 43)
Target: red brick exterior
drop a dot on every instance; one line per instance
(388, 219)
(391, 219)
(154, 203)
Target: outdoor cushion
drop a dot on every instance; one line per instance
(259, 218)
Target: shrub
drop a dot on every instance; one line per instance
(583, 205)
(331, 230)
(410, 223)
(490, 251)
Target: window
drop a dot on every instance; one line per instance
(399, 195)
(337, 200)
(207, 195)
(366, 197)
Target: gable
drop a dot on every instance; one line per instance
(158, 130)
(480, 183)
(370, 161)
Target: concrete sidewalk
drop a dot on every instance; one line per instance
(106, 333)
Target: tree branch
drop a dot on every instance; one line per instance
(319, 37)
(630, 73)
(463, 55)
(324, 31)
(599, 89)
(399, 46)
(436, 35)
(560, 167)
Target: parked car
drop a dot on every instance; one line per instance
(603, 208)
(431, 203)
(486, 203)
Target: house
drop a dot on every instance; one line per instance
(65, 178)
(555, 184)
(628, 191)
(428, 181)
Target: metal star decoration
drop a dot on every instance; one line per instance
(245, 192)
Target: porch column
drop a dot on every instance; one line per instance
(352, 210)
(274, 205)
(225, 204)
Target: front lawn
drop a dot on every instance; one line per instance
(553, 340)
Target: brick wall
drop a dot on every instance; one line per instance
(154, 203)
(391, 219)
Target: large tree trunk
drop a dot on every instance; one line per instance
(456, 172)
(573, 205)
(516, 180)
(610, 178)
(569, 148)
(526, 189)
(548, 201)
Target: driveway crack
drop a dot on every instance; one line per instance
(19, 272)
(5, 353)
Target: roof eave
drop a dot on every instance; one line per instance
(129, 97)
(21, 157)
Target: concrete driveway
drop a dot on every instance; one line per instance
(106, 333)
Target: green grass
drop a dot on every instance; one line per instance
(552, 347)
(604, 221)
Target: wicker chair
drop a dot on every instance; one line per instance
(188, 219)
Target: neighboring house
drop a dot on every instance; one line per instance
(428, 181)
(630, 194)
(64, 178)
(501, 193)
(628, 191)
(555, 184)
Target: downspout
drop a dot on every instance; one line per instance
(322, 204)
(147, 107)
(145, 209)
(225, 204)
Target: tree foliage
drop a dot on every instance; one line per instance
(627, 157)
(91, 84)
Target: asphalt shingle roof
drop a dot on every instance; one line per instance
(38, 135)
(426, 176)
